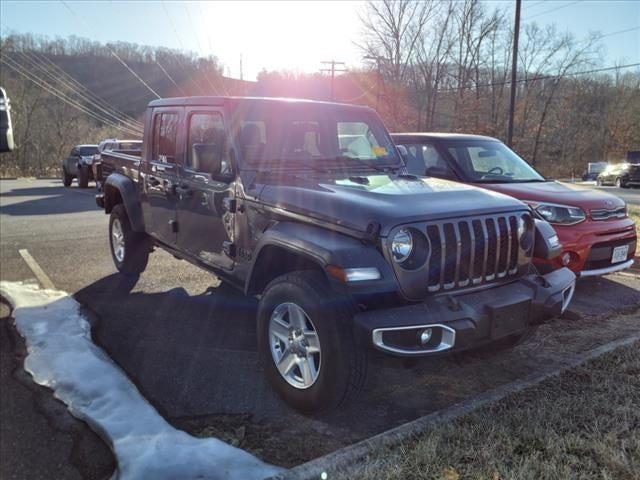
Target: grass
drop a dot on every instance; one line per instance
(584, 424)
(634, 214)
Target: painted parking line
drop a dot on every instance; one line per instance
(42, 277)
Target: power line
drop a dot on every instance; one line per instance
(60, 95)
(553, 9)
(53, 78)
(113, 52)
(170, 77)
(531, 5)
(542, 77)
(618, 32)
(73, 82)
(195, 34)
(175, 31)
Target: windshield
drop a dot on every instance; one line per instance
(85, 151)
(313, 136)
(486, 161)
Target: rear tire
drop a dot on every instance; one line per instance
(66, 178)
(83, 176)
(302, 304)
(129, 249)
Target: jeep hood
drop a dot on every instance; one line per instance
(354, 202)
(558, 192)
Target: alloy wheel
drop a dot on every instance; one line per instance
(295, 345)
(117, 239)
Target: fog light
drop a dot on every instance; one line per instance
(425, 336)
(566, 259)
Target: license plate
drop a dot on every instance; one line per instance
(620, 254)
(509, 318)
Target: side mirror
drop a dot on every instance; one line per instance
(404, 153)
(6, 131)
(207, 157)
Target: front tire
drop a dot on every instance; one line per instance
(599, 182)
(129, 249)
(306, 342)
(83, 176)
(66, 178)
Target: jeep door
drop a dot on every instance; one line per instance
(205, 213)
(161, 173)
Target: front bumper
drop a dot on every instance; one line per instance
(467, 320)
(589, 246)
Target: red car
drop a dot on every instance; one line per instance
(597, 235)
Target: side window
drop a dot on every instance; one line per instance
(424, 159)
(207, 139)
(165, 130)
(303, 140)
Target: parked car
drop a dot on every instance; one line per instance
(306, 205)
(622, 175)
(132, 147)
(78, 165)
(593, 169)
(593, 226)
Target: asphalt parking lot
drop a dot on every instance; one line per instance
(629, 195)
(189, 343)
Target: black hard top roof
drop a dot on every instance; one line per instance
(417, 136)
(220, 101)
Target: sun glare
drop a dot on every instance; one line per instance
(281, 35)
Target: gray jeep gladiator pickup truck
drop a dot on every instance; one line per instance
(307, 206)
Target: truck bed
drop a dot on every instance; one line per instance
(126, 162)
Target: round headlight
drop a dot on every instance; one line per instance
(402, 245)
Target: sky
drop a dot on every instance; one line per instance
(277, 35)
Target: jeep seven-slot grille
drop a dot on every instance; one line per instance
(470, 252)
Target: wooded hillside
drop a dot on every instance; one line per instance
(428, 66)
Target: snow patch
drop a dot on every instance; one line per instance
(62, 356)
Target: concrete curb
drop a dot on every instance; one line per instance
(342, 459)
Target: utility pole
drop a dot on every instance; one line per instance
(514, 72)
(333, 71)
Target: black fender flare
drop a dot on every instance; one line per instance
(119, 188)
(324, 247)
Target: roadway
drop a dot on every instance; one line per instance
(189, 343)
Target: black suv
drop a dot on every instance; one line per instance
(622, 175)
(78, 165)
(307, 206)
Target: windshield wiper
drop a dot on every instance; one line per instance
(382, 169)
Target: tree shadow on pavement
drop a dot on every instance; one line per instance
(54, 200)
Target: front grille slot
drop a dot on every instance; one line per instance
(470, 252)
(435, 257)
(603, 214)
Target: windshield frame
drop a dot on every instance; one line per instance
(318, 165)
(443, 145)
(93, 149)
